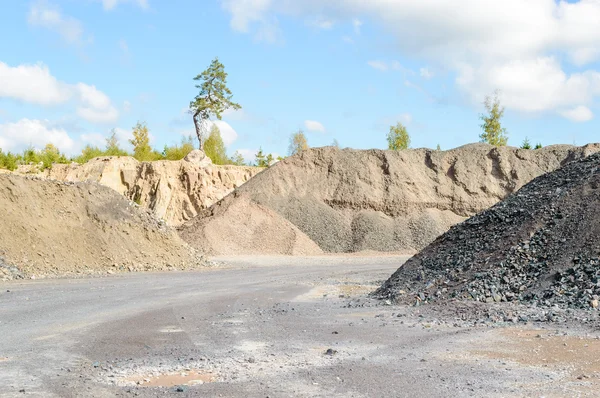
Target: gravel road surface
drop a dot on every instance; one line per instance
(269, 327)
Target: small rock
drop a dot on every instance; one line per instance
(331, 352)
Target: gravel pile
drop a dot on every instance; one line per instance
(367, 200)
(540, 246)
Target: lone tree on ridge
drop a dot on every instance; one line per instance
(213, 99)
(298, 143)
(493, 132)
(398, 137)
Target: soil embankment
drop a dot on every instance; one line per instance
(356, 200)
(175, 191)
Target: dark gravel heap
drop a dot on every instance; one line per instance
(540, 246)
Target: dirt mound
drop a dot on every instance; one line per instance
(540, 245)
(246, 227)
(398, 201)
(176, 191)
(54, 228)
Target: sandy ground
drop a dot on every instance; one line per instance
(270, 326)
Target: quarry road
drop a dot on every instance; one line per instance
(258, 327)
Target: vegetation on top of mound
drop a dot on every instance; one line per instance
(493, 132)
(298, 143)
(398, 137)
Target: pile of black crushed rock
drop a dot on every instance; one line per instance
(539, 246)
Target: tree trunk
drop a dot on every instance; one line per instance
(198, 130)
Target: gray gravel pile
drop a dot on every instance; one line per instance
(540, 245)
(367, 200)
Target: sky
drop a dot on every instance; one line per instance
(73, 70)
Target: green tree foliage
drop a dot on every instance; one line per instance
(215, 148)
(438, 148)
(538, 145)
(213, 99)
(261, 159)
(8, 160)
(526, 144)
(30, 156)
(142, 150)
(51, 155)
(493, 132)
(88, 153)
(298, 143)
(237, 159)
(398, 137)
(178, 152)
(112, 146)
(335, 143)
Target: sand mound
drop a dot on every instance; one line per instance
(53, 228)
(540, 245)
(355, 200)
(246, 227)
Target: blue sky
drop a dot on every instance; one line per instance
(345, 69)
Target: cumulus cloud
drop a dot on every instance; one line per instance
(35, 84)
(228, 133)
(25, 132)
(578, 114)
(314, 126)
(44, 15)
(480, 46)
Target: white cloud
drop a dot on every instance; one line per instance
(379, 65)
(111, 4)
(535, 85)
(578, 114)
(357, 23)
(35, 84)
(25, 132)
(426, 73)
(228, 133)
(245, 13)
(44, 15)
(482, 46)
(95, 106)
(314, 126)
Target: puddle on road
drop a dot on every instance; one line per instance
(191, 378)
